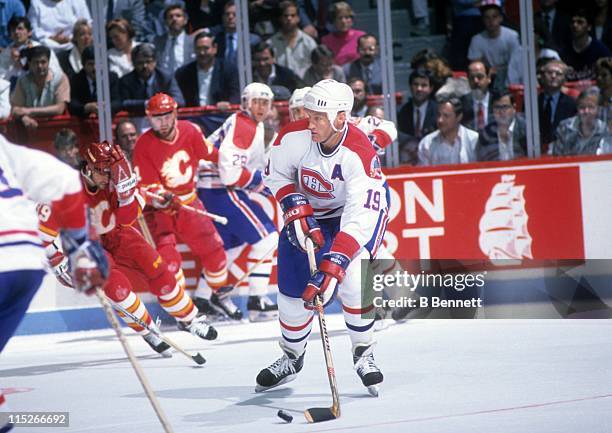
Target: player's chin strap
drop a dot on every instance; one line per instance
(334, 130)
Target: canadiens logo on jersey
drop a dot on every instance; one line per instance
(177, 171)
(315, 184)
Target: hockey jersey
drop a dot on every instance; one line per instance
(173, 165)
(346, 183)
(380, 132)
(241, 148)
(28, 176)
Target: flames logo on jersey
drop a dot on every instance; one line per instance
(175, 176)
(316, 185)
(101, 221)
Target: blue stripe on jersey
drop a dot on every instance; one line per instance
(381, 224)
(12, 244)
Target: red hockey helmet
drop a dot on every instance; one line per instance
(160, 103)
(98, 155)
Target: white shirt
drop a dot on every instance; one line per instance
(204, 79)
(297, 58)
(179, 52)
(435, 150)
(49, 16)
(506, 150)
(119, 62)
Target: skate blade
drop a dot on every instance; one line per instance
(260, 388)
(166, 354)
(262, 316)
(373, 390)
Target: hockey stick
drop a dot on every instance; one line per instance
(318, 414)
(197, 358)
(217, 218)
(128, 351)
(252, 268)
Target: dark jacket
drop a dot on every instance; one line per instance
(224, 85)
(405, 118)
(134, 93)
(488, 143)
(80, 93)
(469, 117)
(566, 108)
(355, 70)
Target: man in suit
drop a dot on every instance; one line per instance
(175, 48)
(367, 66)
(477, 108)
(83, 97)
(145, 81)
(265, 69)
(227, 39)
(417, 117)
(556, 24)
(204, 81)
(553, 105)
(505, 137)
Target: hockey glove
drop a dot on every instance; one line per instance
(159, 198)
(300, 222)
(59, 264)
(87, 261)
(122, 177)
(324, 282)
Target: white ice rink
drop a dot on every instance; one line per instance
(493, 376)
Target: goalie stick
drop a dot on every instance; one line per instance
(197, 358)
(318, 414)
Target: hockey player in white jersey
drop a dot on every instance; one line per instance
(226, 189)
(327, 178)
(28, 176)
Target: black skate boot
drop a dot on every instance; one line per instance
(199, 328)
(157, 344)
(206, 309)
(368, 372)
(221, 301)
(283, 370)
(261, 309)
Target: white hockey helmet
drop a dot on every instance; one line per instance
(297, 98)
(255, 91)
(331, 97)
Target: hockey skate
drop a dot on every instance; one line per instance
(206, 309)
(222, 302)
(199, 328)
(157, 344)
(368, 372)
(283, 370)
(261, 309)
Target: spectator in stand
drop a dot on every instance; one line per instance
(360, 94)
(145, 81)
(343, 40)
(505, 137)
(52, 21)
(496, 43)
(122, 35)
(323, 67)
(12, 61)
(5, 101)
(477, 107)
(204, 14)
(40, 92)
(265, 69)
(261, 15)
(602, 26)
(553, 105)
(603, 69)
(83, 92)
(582, 134)
(154, 24)
(466, 23)
(133, 11)
(451, 143)
(367, 66)
(205, 80)
(175, 48)
(313, 18)
(556, 24)
(227, 39)
(82, 37)
(441, 75)
(292, 46)
(8, 10)
(126, 135)
(584, 51)
(66, 145)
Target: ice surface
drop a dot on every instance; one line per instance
(456, 376)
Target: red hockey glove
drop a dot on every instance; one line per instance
(300, 222)
(87, 261)
(59, 264)
(324, 282)
(122, 177)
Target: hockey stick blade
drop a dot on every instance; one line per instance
(198, 359)
(320, 414)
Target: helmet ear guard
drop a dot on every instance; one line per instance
(330, 97)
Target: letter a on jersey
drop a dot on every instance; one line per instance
(337, 173)
(315, 184)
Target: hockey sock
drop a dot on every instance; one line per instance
(295, 322)
(136, 307)
(178, 304)
(359, 328)
(260, 277)
(216, 279)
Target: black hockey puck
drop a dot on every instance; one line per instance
(284, 415)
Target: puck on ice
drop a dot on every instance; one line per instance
(284, 415)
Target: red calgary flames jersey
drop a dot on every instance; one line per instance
(172, 164)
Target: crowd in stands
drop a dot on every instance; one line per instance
(464, 103)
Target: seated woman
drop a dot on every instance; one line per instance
(343, 40)
(121, 33)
